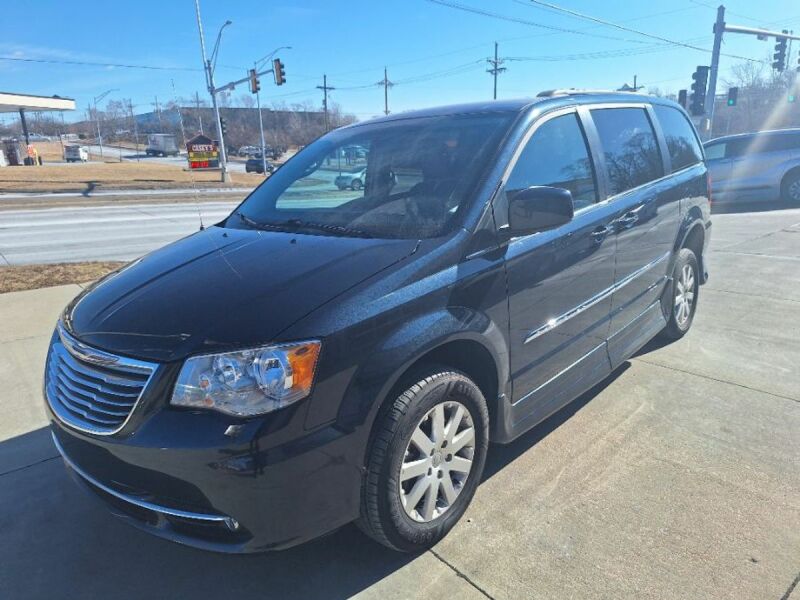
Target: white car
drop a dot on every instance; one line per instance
(75, 153)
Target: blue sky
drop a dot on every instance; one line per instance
(435, 53)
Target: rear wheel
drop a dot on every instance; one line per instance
(426, 461)
(682, 301)
(790, 188)
(356, 184)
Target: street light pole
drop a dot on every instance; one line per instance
(209, 71)
(97, 118)
(256, 65)
(261, 127)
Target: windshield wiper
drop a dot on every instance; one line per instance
(268, 225)
(293, 224)
(328, 227)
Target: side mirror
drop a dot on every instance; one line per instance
(538, 208)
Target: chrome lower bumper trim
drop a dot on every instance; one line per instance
(229, 522)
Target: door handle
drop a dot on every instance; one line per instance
(600, 232)
(628, 219)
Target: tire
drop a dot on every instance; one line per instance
(384, 516)
(679, 302)
(790, 188)
(355, 185)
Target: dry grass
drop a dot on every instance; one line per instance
(50, 151)
(113, 176)
(31, 277)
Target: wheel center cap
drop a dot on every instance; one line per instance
(436, 458)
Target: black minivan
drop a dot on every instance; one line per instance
(323, 356)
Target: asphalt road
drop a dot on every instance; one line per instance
(101, 230)
(678, 477)
(104, 232)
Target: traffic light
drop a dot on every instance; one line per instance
(733, 96)
(697, 105)
(223, 126)
(279, 71)
(779, 58)
(682, 98)
(255, 84)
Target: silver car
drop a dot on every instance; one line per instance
(755, 166)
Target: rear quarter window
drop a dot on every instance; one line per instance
(682, 144)
(631, 153)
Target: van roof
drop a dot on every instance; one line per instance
(544, 100)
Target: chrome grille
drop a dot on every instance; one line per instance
(92, 390)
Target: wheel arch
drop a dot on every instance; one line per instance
(476, 350)
(693, 237)
(795, 170)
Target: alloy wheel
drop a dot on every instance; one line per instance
(684, 295)
(794, 190)
(437, 461)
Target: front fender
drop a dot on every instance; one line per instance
(374, 381)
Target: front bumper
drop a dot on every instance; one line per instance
(200, 488)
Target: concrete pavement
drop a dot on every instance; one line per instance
(678, 477)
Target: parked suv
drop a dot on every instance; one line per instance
(761, 166)
(319, 358)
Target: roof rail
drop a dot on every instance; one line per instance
(576, 91)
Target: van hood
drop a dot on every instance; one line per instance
(222, 289)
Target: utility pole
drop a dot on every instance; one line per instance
(199, 114)
(719, 29)
(158, 113)
(496, 69)
(135, 129)
(211, 90)
(386, 85)
(325, 89)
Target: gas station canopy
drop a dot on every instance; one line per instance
(26, 102)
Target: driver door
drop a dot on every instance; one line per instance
(559, 281)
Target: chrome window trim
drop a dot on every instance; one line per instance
(229, 522)
(586, 305)
(82, 351)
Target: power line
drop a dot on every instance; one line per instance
(494, 15)
(586, 17)
(94, 64)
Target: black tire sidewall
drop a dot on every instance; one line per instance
(403, 532)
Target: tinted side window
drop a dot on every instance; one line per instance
(738, 147)
(630, 148)
(557, 156)
(715, 151)
(682, 144)
(780, 142)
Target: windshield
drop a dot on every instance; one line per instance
(400, 179)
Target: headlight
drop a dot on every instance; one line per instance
(248, 382)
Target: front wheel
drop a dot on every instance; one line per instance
(425, 462)
(790, 188)
(682, 301)
(355, 185)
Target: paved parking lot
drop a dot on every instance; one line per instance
(678, 477)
